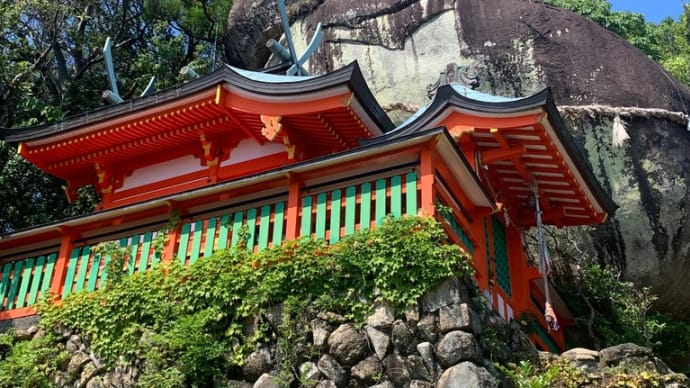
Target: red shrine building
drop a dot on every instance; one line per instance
(287, 157)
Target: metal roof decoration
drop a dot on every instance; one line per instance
(290, 54)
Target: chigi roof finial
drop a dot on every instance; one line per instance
(290, 54)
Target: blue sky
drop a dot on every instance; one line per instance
(653, 10)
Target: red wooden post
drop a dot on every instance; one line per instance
(427, 180)
(60, 270)
(293, 205)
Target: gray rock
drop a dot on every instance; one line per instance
(237, 384)
(395, 369)
(404, 340)
(88, 372)
(267, 381)
(412, 315)
(385, 384)
(96, 382)
(326, 384)
(457, 346)
(276, 315)
(420, 384)
(257, 363)
(330, 367)
(383, 316)
(74, 343)
(450, 291)
(466, 374)
(112, 379)
(60, 379)
(76, 363)
(426, 351)
(627, 353)
(309, 374)
(459, 317)
(416, 367)
(23, 334)
(427, 328)
(332, 318)
(380, 341)
(367, 371)
(320, 332)
(585, 359)
(347, 345)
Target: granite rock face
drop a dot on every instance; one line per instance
(518, 47)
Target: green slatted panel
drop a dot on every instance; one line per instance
(184, 243)
(380, 201)
(71, 269)
(236, 228)
(396, 195)
(145, 252)
(25, 282)
(411, 193)
(365, 207)
(133, 250)
(83, 268)
(224, 230)
(196, 241)
(278, 220)
(93, 276)
(5, 282)
(16, 277)
(210, 237)
(501, 256)
(350, 209)
(251, 224)
(264, 226)
(306, 215)
(36, 280)
(459, 231)
(48, 273)
(335, 217)
(321, 207)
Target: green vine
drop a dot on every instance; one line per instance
(189, 325)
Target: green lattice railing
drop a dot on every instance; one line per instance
(501, 255)
(25, 281)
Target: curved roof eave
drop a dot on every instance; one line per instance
(575, 152)
(448, 95)
(270, 85)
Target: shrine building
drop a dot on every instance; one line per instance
(287, 157)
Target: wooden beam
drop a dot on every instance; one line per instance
(510, 153)
(467, 120)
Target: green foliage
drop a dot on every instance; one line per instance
(668, 42)
(30, 363)
(619, 311)
(562, 374)
(53, 68)
(188, 325)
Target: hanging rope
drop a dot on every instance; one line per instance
(544, 262)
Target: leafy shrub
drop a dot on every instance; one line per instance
(185, 325)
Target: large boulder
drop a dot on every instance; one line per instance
(518, 47)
